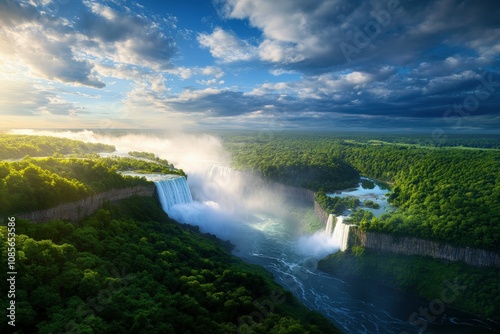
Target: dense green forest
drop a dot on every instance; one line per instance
(443, 194)
(336, 204)
(39, 183)
(18, 146)
(479, 291)
(69, 171)
(282, 161)
(130, 269)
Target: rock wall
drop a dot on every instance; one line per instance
(87, 206)
(414, 246)
(320, 213)
(293, 193)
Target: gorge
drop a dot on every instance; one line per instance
(273, 241)
(252, 214)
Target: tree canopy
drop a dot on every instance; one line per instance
(130, 269)
(18, 146)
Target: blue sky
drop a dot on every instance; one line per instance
(386, 65)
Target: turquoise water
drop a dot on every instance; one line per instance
(378, 195)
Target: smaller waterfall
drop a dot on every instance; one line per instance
(340, 233)
(218, 172)
(173, 191)
(329, 224)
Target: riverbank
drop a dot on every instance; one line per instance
(476, 288)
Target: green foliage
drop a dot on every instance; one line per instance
(18, 146)
(367, 184)
(130, 269)
(288, 161)
(336, 205)
(422, 275)
(34, 184)
(142, 165)
(371, 204)
(144, 155)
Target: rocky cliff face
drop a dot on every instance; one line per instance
(320, 213)
(292, 193)
(87, 206)
(414, 246)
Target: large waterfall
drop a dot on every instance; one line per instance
(340, 232)
(173, 191)
(329, 224)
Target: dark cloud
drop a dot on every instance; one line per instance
(138, 37)
(324, 35)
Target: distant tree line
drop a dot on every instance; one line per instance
(19, 146)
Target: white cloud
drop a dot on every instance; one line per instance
(279, 52)
(213, 71)
(226, 47)
(41, 100)
(46, 54)
(104, 11)
(293, 31)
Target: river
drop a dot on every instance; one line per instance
(277, 242)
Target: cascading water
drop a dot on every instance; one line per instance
(340, 233)
(218, 172)
(329, 225)
(173, 191)
(271, 241)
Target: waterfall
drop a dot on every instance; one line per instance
(218, 172)
(340, 233)
(173, 191)
(329, 224)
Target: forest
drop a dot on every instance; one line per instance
(444, 194)
(66, 170)
(130, 269)
(33, 184)
(19, 146)
(422, 275)
(39, 183)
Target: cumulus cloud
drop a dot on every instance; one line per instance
(292, 62)
(28, 99)
(226, 47)
(52, 46)
(125, 38)
(317, 35)
(41, 44)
